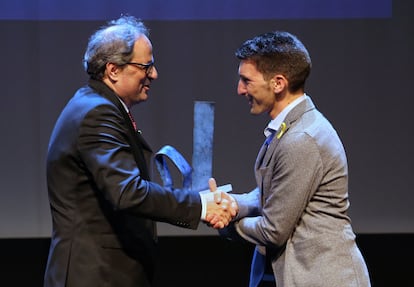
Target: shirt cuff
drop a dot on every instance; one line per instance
(205, 197)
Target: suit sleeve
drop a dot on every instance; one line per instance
(106, 152)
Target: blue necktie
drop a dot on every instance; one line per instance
(267, 143)
(270, 137)
(258, 266)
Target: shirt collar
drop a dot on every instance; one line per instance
(274, 124)
(123, 104)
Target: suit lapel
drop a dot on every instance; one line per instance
(291, 117)
(137, 142)
(260, 155)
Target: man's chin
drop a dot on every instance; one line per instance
(253, 111)
(143, 97)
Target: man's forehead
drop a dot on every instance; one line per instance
(142, 47)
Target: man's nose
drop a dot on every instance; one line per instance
(154, 73)
(241, 88)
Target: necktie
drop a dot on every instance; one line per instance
(133, 121)
(258, 266)
(266, 145)
(270, 137)
(258, 270)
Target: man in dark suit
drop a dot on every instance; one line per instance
(103, 203)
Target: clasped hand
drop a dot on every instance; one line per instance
(221, 209)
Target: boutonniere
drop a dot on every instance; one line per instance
(281, 130)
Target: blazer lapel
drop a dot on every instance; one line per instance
(291, 117)
(260, 156)
(137, 142)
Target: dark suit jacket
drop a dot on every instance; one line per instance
(102, 201)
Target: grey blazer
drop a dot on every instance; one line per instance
(298, 212)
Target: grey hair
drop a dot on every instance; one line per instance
(112, 43)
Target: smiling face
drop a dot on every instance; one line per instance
(132, 82)
(256, 89)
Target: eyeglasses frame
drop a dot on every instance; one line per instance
(148, 67)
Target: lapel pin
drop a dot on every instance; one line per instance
(281, 130)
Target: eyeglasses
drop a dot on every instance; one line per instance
(146, 67)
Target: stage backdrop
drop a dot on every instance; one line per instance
(362, 75)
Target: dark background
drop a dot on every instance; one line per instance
(206, 261)
(361, 80)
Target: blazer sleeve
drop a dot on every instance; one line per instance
(249, 205)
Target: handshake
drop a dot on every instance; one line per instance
(221, 207)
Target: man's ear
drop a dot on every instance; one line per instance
(278, 83)
(112, 71)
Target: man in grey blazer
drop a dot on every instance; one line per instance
(297, 214)
(103, 203)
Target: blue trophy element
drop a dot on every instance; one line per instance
(195, 177)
